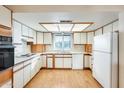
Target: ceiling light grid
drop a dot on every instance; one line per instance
(66, 27)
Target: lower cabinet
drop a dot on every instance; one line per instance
(25, 71)
(87, 61)
(77, 60)
(18, 76)
(58, 62)
(67, 63)
(44, 61)
(63, 61)
(49, 62)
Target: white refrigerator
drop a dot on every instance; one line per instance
(105, 59)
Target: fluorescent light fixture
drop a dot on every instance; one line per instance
(51, 27)
(65, 27)
(80, 27)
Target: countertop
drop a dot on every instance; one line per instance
(25, 58)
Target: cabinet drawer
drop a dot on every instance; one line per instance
(68, 56)
(58, 56)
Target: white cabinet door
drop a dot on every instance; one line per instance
(33, 67)
(47, 38)
(107, 29)
(115, 26)
(18, 79)
(67, 63)
(30, 32)
(87, 61)
(40, 38)
(98, 32)
(34, 37)
(24, 30)
(58, 62)
(5, 16)
(16, 32)
(83, 37)
(90, 37)
(44, 61)
(76, 38)
(49, 62)
(27, 72)
(39, 62)
(77, 60)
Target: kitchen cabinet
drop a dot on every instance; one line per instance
(83, 39)
(34, 37)
(76, 38)
(44, 61)
(47, 38)
(16, 32)
(30, 33)
(49, 62)
(33, 67)
(79, 38)
(107, 28)
(24, 30)
(27, 72)
(18, 76)
(58, 61)
(40, 38)
(87, 61)
(98, 32)
(77, 61)
(90, 37)
(115, 26)
(67, 61)
(5, 16)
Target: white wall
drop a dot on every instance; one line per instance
(121, 49)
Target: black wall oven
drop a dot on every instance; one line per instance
(6, 52)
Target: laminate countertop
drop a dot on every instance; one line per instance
(21, 59)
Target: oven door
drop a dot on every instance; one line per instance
(6, 57)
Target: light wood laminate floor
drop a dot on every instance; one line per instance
(63, 79)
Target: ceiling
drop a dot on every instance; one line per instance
(32, 15)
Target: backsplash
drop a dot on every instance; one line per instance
(75, 48)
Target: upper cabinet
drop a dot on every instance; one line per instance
(5, 16)
(47, 38)
(115, 26)
(107, 28)
(39, 38)
(90, 37)
(76, 38)
(98, 32)
(34, 37)
(16, 32)
(83, 37)
(24, 30)
(30, 32)
(79, 38)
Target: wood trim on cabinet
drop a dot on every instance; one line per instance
(5, 27)
(5, 32)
